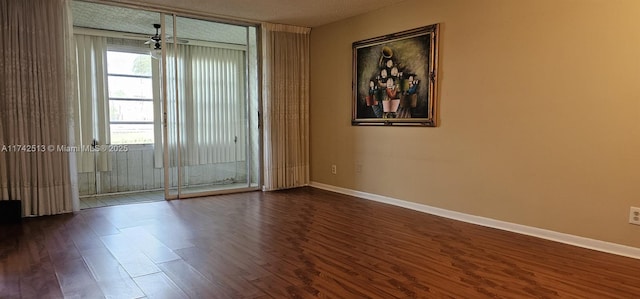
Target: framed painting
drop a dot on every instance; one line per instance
(395, 78)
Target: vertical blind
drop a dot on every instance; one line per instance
(92, 101)
(206, 103)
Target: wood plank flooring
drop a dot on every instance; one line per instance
(301, 243)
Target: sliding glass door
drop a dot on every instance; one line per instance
(165, 102)
(211, 139)
(118, 90)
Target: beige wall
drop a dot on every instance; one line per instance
(539, 114)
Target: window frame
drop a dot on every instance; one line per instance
(139, 51)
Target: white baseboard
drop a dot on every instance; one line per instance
(598, 245)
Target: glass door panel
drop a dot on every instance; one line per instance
(117, 92)
(212, 107)
(172, 94)
(253, 130)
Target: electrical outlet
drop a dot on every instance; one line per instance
(334, 169)
(634, 215)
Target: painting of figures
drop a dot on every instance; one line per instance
(395, 78)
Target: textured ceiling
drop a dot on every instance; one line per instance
(140, 22)
(307, 13)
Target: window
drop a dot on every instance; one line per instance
(130, 97)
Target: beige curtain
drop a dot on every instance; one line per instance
(36, 78)
(286, 106)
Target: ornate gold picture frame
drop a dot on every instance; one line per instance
(395, 78)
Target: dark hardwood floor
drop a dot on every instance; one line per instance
(302, 243)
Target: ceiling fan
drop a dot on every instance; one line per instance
(155, 39)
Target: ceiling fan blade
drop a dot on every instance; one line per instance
(179, 40)
(132, 35)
